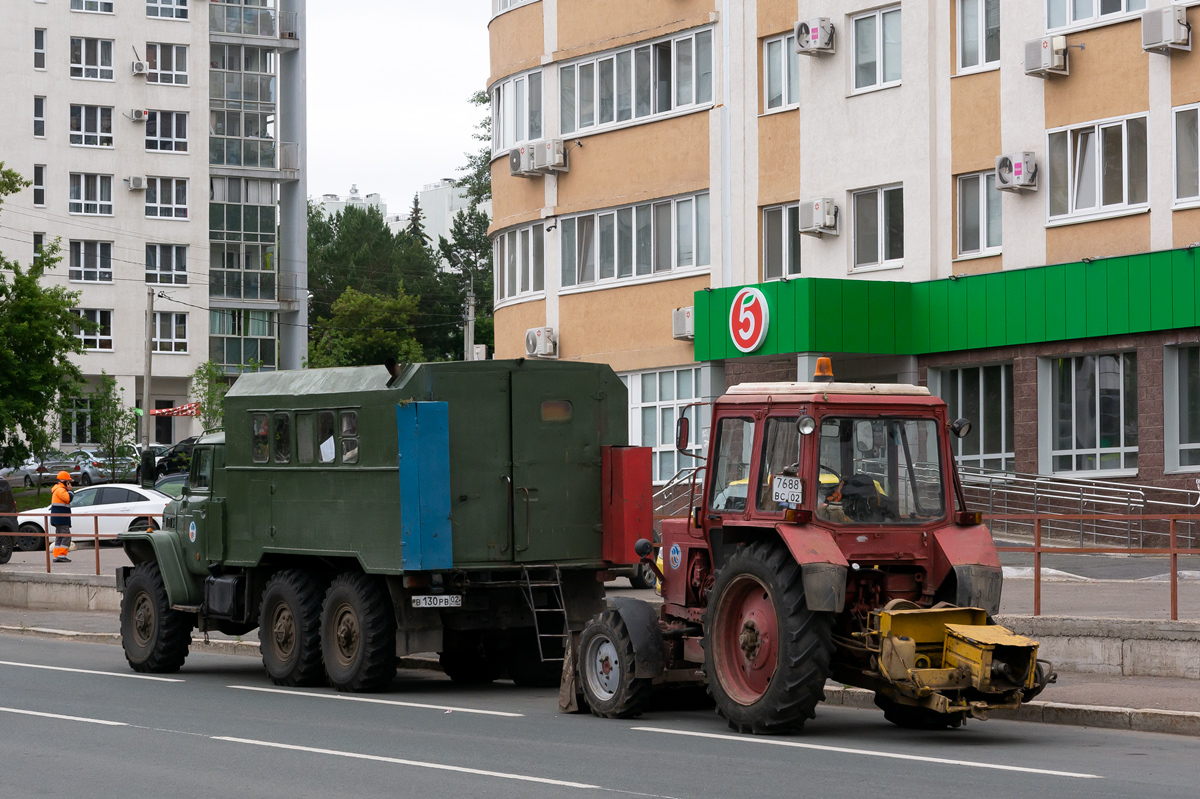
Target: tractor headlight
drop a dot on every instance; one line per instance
(806, 425)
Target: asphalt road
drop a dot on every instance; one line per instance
(220, 728)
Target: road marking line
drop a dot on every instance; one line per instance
(418, 763)
(370, 700)
(63, 718)
(89, 671)
(872, 753)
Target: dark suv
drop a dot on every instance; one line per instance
(177, 459)
(8, 524)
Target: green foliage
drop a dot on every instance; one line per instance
(208, 388)
(477, 174)
(366, 330)
(416, 222)
(469, 257)
(114, 424)
(38, 333)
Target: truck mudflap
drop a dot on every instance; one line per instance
(951, 661)
(162, 547)
(823, 566)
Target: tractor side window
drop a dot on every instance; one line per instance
(781, 458)
(283, 438)
(731, 474)
(260, 447)
(304, 437)
(349, 437)
(326, 450)
(202, 464)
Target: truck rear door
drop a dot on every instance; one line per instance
(556, 467)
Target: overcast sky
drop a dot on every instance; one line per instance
(388, 89)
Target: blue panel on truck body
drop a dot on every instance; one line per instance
(424, 435)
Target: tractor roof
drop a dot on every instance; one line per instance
(861, 389)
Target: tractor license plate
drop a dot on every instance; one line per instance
(786, 490)
(437, 601)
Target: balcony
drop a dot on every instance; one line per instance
(268, 23)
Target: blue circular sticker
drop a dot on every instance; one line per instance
(676, 556)
(192, 532)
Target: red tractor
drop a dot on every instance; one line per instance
(828, 538)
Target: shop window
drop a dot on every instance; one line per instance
(1095, 412)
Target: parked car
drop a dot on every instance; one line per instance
(172, 485)
(177, 459)
(8, 524)
(88, 502)
(158, 450)
(43, 469)
(95, 468)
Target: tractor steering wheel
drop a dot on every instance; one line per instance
(831, 471)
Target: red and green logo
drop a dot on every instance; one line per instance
(749, 319)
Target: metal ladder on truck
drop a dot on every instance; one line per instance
(553, 612)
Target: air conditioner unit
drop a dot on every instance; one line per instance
(520, 161)
(540, 342)
(1166, 29)
(138, 114)
(479, 353)
(814, 36)
(818, 217)
(683, 324)
(140, 67)
(1046, 56)
(550, 156)
(1016, 172)
(136, 183)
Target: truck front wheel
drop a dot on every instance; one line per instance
(290, 628)
(155, 638)
(606, 666)
(767, 656)
(358, 633)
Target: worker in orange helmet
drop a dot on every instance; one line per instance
(60, 517)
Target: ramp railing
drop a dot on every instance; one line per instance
(78, 521)
(680, 494)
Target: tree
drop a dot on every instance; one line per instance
(416, 222)
(208, 388)
(366, 330)
(38, 328)
(477, 174)
(114, 424)
(469, 255)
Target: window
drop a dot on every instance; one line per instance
(241, 338)
(166, 9)
(654, 78)
(166, 198)
(349, 437)
(517, 111)
(984, 396)
(243, 106)
(979, 215)
(879, 227)
(77, 426)
(166, 264)
(39, 185)
(256, 19)
(39, 241)
(91, 59)
(781, 73)
(101, 6)
(39, 48)
(656, 401)
(99, 337)
(39, 117)
(283, 439)
(167, 64)
(326, 451)
(1187, 373)
(1095, 416)
(1187, 154)
(519, 258)
(635, 241)
(202, 469)
(91, 194)
(242, 229)
(978, 33)
(877, 49)
(304, 437)
(260, 446)
(1098, 168)
(170, 332)
(1060, 13)
(781, 241)
(91, 261)
(730, 478)
(166, 131)
(91, 126)
(781, 458)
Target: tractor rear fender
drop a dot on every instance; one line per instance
(641, 619)
(822, 565)
(162, 547)
(971, 554)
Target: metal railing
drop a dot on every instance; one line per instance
(679, 494)
(95, 536)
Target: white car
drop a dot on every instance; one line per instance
(88, 502)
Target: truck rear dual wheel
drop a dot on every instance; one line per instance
(766, 655)
(358, 633)
(289, 632)
(606, 668)
(155, 637)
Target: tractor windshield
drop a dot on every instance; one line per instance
(879, 471)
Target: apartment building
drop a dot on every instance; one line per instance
(164, 140)
(998, 200)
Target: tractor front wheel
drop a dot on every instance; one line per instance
(606, 667)
(767, 656)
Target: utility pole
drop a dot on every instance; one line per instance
(469, 330)
(146, 377)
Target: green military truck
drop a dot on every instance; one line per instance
(355, 515)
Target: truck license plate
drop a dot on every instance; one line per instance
(787, 490)
(437, 601)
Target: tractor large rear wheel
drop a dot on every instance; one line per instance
(766, 655)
